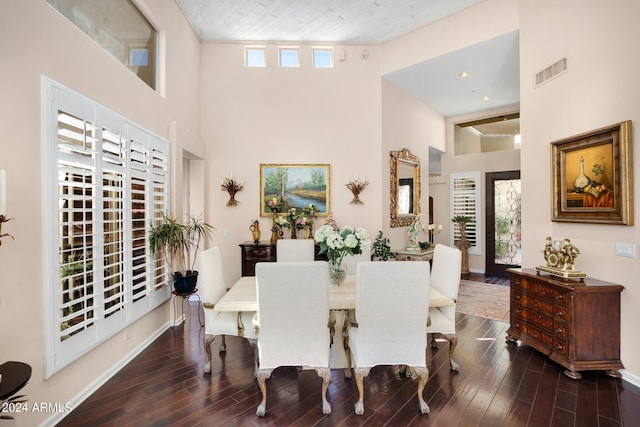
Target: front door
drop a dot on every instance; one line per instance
(503, 222)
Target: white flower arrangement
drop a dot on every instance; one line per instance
(338, 243)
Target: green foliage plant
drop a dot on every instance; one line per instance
(381, 250)
(179, 242)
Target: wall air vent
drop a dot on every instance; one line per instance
(550, 72)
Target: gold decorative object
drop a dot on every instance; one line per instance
(232, 187)
(560, 256)
(255, 231)
(3, 219)
(357, 186)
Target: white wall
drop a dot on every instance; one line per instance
(480, 22)
(36, 40)
(278, 115)
(407, 123)
(599, 89)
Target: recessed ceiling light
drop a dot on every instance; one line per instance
(463, 74)
(485, 98)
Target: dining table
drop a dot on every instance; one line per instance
(242, 297)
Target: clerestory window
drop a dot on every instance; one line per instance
(120, 28)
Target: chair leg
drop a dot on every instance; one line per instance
(325, 374)
(453, 342)
(254, 343)
(263, 375)
(223, 344)
(208, 339)
(360, 374)
(348, 322)
(422, 375)
(347, 353)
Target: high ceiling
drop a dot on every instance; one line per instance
(343, 21)
(492, 65)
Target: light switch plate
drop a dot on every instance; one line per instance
(626, 249)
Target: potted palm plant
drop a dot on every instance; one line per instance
(178, 243)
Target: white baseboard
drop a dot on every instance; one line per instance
(630, 377)
(106, 376)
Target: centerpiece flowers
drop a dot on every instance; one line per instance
(338, 243)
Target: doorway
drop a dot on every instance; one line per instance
(503, 222)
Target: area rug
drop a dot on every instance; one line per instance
(483, 300)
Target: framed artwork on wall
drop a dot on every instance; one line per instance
(592, 176)
(295, 186)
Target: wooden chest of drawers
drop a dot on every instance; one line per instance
(253, 253)
(577, 324)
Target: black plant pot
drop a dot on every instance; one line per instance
(185, 284)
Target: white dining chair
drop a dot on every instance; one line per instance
(294, 321)
(290, 250)
(211, 288)
(392, 301)
(445, 277)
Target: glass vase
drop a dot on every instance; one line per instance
(337, 272)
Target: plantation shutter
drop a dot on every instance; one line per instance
(104, 180)
(465, 201)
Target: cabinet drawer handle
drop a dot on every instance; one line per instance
(260, 253)
(558, 331)
(559, 297)
(517, 297)
(560, 314)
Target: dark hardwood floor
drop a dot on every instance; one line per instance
(497, 385)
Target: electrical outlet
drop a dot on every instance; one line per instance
(626, 250)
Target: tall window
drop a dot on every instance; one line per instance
(465, 201)
(120, 28)
(104, 180)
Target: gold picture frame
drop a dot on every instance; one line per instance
(297, 186)
(592, 176)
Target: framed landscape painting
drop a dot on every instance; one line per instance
(592, 176)
(296, 186)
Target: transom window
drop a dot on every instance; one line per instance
(289, 57)
(255, 57)
(322, 57)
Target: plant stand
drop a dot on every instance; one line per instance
(185, 296)
(463, 244)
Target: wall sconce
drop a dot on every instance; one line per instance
(3, 203)
(356, 186)
(232, 187)
(433, 232)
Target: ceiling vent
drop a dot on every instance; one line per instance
(550, 72)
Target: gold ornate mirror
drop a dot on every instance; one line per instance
(404, 182)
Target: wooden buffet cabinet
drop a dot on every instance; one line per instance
(253, 253)
(576, 324)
